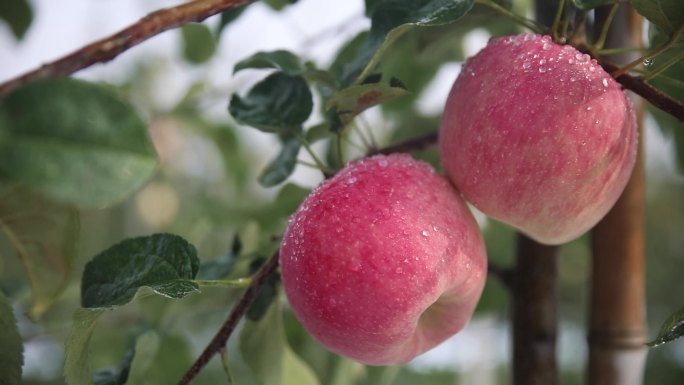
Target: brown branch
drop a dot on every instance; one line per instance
(106, 49)
(221, 337)
(415, 144)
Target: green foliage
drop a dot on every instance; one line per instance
(117, 375)
(351, 101)
(18, 15)
(667, 15)
(77, 360)
(198, 43)
(282, 60)
(283, 165)
(220, 267)
(165, 263)
(672, 329)
(11, 354)
(590, 4)
(74, 141)
(265, 350)
(279, 104)
(44, 236)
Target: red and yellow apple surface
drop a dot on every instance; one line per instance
(383, 261)
(539, 136)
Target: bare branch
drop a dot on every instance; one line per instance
(106, 49)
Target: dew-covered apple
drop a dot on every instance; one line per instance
(383, 261)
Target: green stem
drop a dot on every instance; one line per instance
(650, 56)
(601, 40)
(527, 23)
(557, 20)
(665, 66)
(232, 283)
(319, 164)
(617, 51)
(338, 143)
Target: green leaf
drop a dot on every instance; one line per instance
(199, 44)
(18, 15)
(667, 15)
(117, 375)
(351, 101)
(266, 352)
(11, 354)
(318, 132)
(591, 4)
(280, 104)
(283, 165)
(74, 141)
(393, 18)
(165, 263)
(671, 329)
(77, 360)
(282, 60)
(279, 4)
(44, 236)
(222, 266)
(146, 349)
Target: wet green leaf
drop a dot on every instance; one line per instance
(283, 165)
(667, 15)
(279, 104)
(74, 141)
(199, 44)
(11, 354)
(282, 60)
(351, 101)
(672, 329)
(165, 263)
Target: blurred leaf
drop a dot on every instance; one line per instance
(370, 6)
(11, 354)
(319, 132)
(265, 350)
(351, 101)
(117, 375)
(343, 65)
(18, 15)
(282, 60)
(220, 267)
(280, 104)
(146, 349)
(283, 165)
(45, 237)
(165, 361)
(229, 16)
(165, 263)
(671, 329)
(672, 129)
(199, 44)
(279, 4)
(591, 4)
(77, 357)
(667, 15)
(267, 294)
(74, 141)
(671, 80)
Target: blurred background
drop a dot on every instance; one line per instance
(205, 189)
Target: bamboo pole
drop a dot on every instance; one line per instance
(617, 321)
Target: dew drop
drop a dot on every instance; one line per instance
(572, 79)
(424, 233)
(542, 61)
(383, 163)
(542, 70)
(647, 62)
(526, 65)
(589, 108)
(604, 82)
(570, 61)
(351, 180)
(546, 46)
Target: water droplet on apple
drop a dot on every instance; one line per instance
(526, 65)
(604, 81)
(425, 233)
(546, 46)
(542, 70)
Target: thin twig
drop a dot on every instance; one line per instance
(106, 49)
(673, 39)
(419, 143)
(221, 337)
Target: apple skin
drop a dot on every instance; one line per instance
(538, 136)
(383, 261)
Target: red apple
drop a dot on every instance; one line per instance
(383, 261)
(539, 136)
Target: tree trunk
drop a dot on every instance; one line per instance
(617, 325)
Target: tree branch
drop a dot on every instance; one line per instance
(221, 337)
(106, 49)
(415, 144)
